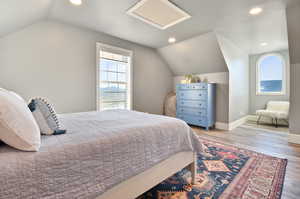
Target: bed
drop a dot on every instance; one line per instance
(109, 154)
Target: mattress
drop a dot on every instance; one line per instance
(100, 150)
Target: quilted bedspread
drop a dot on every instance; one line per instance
(100, 150)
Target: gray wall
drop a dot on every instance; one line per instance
(293, 16)
(58, 61)
(197, 55)
(222, 101)
(238, 64)
(201, 55)
(260, 101)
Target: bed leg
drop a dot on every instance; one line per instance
(193, 168)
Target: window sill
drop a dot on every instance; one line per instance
(270, 94)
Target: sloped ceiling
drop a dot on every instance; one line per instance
(200, 54)
(248, 34)
(197, 49)
(109, 16)
(16, 14)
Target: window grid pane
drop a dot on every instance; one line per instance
(113, 81)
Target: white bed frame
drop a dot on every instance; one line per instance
(139, 184)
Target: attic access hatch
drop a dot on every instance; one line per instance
(159, 13)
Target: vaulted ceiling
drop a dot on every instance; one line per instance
(230, 17)
(249, 34)
(201, 54)
(16, 14)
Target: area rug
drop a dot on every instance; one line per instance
(226, 172)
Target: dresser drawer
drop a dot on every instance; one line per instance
(189, 103)
(196, 103)
(192, 94)
(194, 120)
(191, 111)
(192, 86)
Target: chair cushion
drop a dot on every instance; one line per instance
(273, 114)
(18, 127)
(281, 106)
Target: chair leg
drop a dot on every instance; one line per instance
(272, 121)
(276, 122)
(257, 122)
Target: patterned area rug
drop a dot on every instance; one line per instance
(226, 172)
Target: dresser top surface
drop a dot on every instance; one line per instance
(200, 83)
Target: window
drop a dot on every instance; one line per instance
(271, 75)
(113, 78)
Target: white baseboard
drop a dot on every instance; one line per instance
(252, 118)
(237, 123)
(232, 125)
(294, 138)
(222, 126)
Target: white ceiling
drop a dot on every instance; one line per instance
(198, 55)
(16, 14)
(229, 17)
(249, 34)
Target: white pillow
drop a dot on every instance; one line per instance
(18, 127)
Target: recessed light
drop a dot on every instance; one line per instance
(255, 11)
(172, 40)
(76, 2)
(264, 44)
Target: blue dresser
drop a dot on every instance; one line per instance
(196, 104)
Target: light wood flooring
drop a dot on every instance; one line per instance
(267, 126)
(259, 140)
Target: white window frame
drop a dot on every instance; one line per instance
(99, 46)
(284, 78)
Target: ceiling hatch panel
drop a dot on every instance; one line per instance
(165, 14)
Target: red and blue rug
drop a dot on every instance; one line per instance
(226, 172)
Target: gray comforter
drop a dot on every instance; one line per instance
(100, 150)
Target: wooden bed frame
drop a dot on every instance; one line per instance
(139, 184)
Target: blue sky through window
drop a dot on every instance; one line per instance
(271, 71)
(271, 68)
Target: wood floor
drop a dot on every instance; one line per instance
(274, 144)
(267, 126)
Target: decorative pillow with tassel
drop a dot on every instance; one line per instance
(45, 117)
